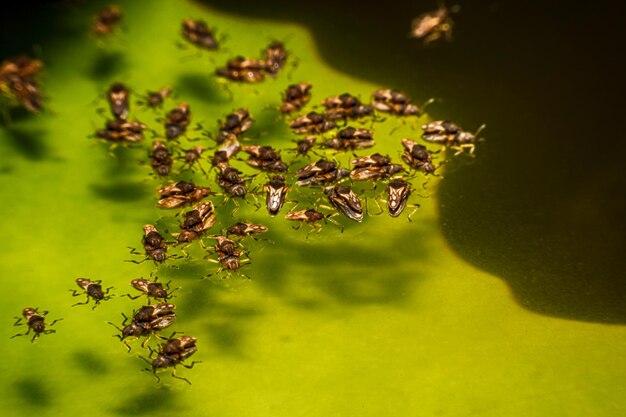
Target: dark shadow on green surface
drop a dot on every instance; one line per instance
(90, 362)
(29, 143)
(154, 401)
(32, 391)
(201, 86)
(543, 205)
(106, 65)
(121, 191)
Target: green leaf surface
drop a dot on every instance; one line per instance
(381, 320)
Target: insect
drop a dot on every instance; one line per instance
(181, 193)
(296, 96)
(351, 138)
(155, 99)
(146, 321)
(92, 289)
(276, 191)
(172, 353)
(243, 70)
(191, 157)
(449, 134)
(394, 101)
(229, 148)
(433, 25)
(35, 321)
(230, 181)
(373, 167)
(303, 146)
(237, 122)
(417, 156)
(17, 82)
(311, 123)
(228, 256)
(345, 106)
(265, 158)
(197, 221)
(177, 120)
(154, 245)
(151, 289)
(312, 218)
(275, 57)
(320, 172)
(117, 96)
(122, 131)
(161, 159)
(199, 34)
(105, 21)
(346, 201)
(245, 229)
(398, 191)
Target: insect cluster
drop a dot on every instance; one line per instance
(198, 181)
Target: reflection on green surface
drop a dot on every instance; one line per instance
(383, 319)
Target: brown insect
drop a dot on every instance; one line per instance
(153, 244)
(177, 120)
(303, 146)
(122, 131)
(373, 167)
(18, 83)
(117, 96)
(449, 134)
(345, 106)
(312, 218)
(275, 58)
(147, 321)
(311, 123)
(351, 138)
(237, 122)
(431, 26)
(265, 158)
(35, 321)
(199, 34)
(151, 289)
(171, 354)
(243, 70)
(417, 156)
(398, 191)
(181, 193)
(276, 192)
(320, 172)
(394, 101)
(155, 99)
(346, 201)
(230, 181)
(161, 159)
(93, 290)
(296, 96)
(245, 229)
(106, 20)
(229, 257)
(196, 222)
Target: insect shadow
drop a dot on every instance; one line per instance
(33, 391)
(148, 402)
(106, 65)
(29, 143)
(90, 362)
(201, 87)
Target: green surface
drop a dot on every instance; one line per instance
(383, 319)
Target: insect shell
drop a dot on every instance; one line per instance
(180, 193)
(417, 156)
(160, 158)
(105, 21)
(177, 120)
(275, 58)
(93, 289)
(35, 321)
(246, 229)
(117, 95)
(296, 96)
(311, 123)
(346, 201)
(197, 221)
(198, 33)
(276, 191)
